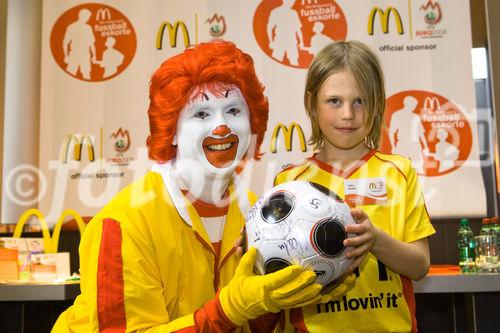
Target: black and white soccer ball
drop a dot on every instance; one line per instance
(300, 223)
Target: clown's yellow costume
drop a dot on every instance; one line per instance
(144, 266)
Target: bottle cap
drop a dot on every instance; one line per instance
(464, 222)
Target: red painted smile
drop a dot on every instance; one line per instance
(221, 152)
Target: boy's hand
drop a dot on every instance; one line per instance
(363, 242)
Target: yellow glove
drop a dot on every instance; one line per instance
(248, 296)
(339, 290)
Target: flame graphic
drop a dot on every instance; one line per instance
(217, 25)
(121, 145)
(433, 12)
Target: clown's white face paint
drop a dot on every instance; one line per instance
(213, 134)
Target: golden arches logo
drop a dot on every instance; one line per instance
(51, 244)
(172, 33)
(384, 19)
(432, 103)
(77, 148)
(372, 186)
(103, 14)
(288, 135)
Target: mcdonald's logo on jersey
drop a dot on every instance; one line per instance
(103, 14)
(384, 16)
(172, 31)
(288, 136)
(77, 144)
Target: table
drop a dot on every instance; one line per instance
(34, 307)
(39, 291)
(445, 303)
(458, 303)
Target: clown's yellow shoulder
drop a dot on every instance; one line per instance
(146, 194)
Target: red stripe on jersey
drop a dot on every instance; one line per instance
(342, 173)
(211, 318)
(394, 164)
(297, 320)
(410, 300)
(290, 167)
(110, 294)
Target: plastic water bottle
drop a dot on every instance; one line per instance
(466, 245)
(495, 229)
(485, 226)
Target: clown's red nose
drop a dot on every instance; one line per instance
(221, 130)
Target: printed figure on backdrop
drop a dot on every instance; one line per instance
(79, 45)
(319, 39)
(345, 101)
(164, 253)
(446, 153)
(284, 31)
(407, 134)
(111, 58)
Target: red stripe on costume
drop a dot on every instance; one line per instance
(265, 323)
(233, 250)
(216, 252)
(297, 320)
(410, 301)
(110, 294)
(211, 318)
(191, 329)
(205, 209)
(216, 265)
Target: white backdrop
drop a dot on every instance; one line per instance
(426, 58)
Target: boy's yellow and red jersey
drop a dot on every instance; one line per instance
(386, 187)
(145, 269)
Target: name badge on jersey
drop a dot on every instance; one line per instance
(365, 191)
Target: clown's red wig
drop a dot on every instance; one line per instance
(207, 65)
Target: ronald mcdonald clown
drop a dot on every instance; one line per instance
(160, 257)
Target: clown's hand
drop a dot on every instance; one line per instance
(248, 296)
(339, 290)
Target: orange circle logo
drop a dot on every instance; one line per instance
(292, 31)
(429, 129)
(93, 42)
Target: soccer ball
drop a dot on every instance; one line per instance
(301, 223)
